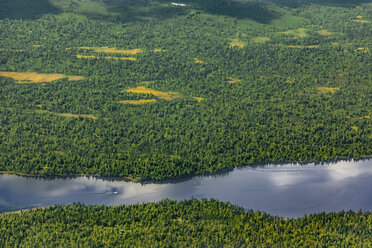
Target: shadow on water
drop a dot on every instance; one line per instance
(26, 9)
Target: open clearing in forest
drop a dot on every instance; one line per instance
(12, 50)
(302, 47)
(161, 94)
(169, 95)
(138, 102)
(198, 99)
(112, 50)
(33, 77)
(361, 21)
(261, 39)
(108, 57)
(362, 49)
(67, 115)
(237, 43)
(355, 128)
(196, 61)
(324, 89)
(157, 50)
(324, 32)
(297, 33)
(231, 80)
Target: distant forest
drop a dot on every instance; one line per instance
(148, 90)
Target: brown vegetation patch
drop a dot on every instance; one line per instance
(324, 89)
(33, 77)
(138, 102)
(161, 94)
(237, 43)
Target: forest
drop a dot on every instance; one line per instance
(147, 90)
(190, 223)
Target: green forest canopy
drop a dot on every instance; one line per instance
(216, 85)
(191, 223)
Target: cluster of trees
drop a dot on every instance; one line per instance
(275, 113)
(190, 223)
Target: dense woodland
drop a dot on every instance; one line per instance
(190, 223)
(302, 90)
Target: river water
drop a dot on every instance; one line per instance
(285, 190)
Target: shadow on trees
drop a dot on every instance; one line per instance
(25, 9)
(131, 10)
(300, 3)
(255, 10)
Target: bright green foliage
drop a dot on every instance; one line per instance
(279, 110)
(190, 223)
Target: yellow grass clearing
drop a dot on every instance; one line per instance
(68, 115)
(362, 49)
(361, 21)
(113, 50)
(157, 50)
(33, 77)
(36, 46)
(360, 17)
(297, 33)
(138, 102)
(301, 47)
(161, 94)
(196, 61)
(355, 128)
(77, 115)
(324, 32)
(237, 43)
(327, 89)
(199, 99)
(261, 39)
(95, 57)
(12, 50)
(231, 80)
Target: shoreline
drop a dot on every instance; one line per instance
(182, 178)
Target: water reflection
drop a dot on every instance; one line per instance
(285, 190)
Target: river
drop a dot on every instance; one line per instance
(289, 190)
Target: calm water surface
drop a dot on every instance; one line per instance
(284, 190)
